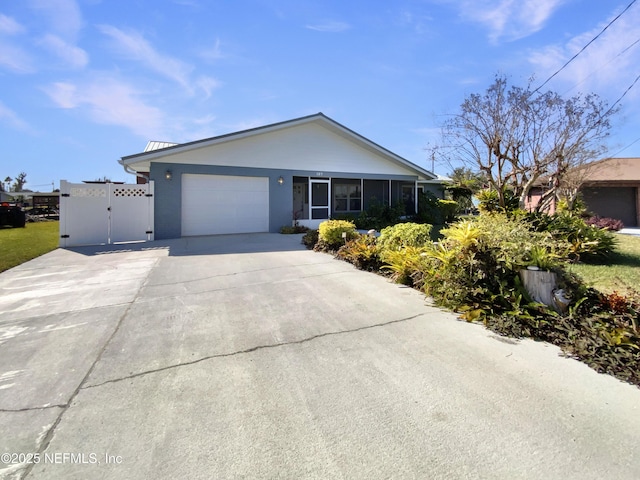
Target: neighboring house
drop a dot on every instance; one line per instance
(307, 169)
(23, 198)
(47, 201)
(610, 188)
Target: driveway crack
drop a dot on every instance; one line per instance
(31, 409)
(235, 287)
(251, 350)
(232, 274)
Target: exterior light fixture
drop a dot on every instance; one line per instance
(168, 175)
(280, 180)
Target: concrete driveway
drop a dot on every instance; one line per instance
(248, 356)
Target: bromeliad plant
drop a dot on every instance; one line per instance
(362, 252)
(543, 257)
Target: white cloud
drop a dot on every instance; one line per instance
(64, 16)
(8, 26)
(213, 53)
(206, 120)
(110, 101)
(511, 19)
(609, 64)
(63, 94)
(9, 117)
(207, 84)
(15, 59)
(134, 46)
(73, 56)
(419, 23)
(330, 26)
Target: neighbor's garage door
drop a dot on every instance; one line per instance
(614, 202)
(215, 204)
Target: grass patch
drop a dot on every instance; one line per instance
(620, 272)
(19, 245)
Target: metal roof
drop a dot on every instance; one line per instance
(154, 145)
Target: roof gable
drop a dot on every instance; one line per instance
(323, 136)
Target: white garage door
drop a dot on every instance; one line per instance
(215, 204)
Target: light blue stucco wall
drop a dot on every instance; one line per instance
(168, 193)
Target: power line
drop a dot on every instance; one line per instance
(623, 149)
(604, 65)
(614, 104)
(623, 95)
(585, 47)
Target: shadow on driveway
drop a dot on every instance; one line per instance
(204, 245)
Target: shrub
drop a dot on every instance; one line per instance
(449, 209)
(605, 223)
(404, 235)
(310, 238)
(475, 268)
(380, 215)
(428, 209)
(490, 201)
(516, 239)
(434, 210)
(586, 242)
(330, 233)
(361, 252)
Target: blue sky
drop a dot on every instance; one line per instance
(85, 82)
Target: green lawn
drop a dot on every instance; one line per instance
(18, 245)
(621, 272)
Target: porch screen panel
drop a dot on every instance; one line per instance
(319, 200)
(375, 191)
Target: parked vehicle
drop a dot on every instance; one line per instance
(12, 215)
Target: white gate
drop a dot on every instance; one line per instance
(102, 213)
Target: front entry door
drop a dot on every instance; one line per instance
(320, 195)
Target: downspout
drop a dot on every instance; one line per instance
(128, 169)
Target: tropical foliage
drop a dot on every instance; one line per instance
(474, 269)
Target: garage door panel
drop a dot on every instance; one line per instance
(218, 204)
(614, 202)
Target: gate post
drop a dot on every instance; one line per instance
(62, 224)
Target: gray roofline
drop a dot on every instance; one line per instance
(125, 161)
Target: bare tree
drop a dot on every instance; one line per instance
(19, 182)
(515, 137)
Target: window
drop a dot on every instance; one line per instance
(347, 197)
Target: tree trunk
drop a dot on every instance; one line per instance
(540, 285)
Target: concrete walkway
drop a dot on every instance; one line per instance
(248, 356)
(630, 231)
